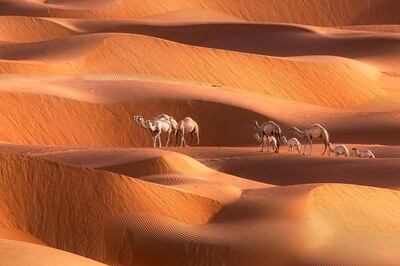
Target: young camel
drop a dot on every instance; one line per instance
(315, 131)
(363, 153)
(156, 126)
(270, 129)
(188, 126)
(292, 143)
(266, 142)
(339, 150)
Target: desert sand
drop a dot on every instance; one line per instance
(81, 184)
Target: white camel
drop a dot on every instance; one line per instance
(339, 150)
(363, 153)
(315, 131)
(174, 125)
(292, 143)
(188, 126)
(156, 126)
(266, 141)
(269, 128)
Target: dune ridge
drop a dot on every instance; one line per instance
(344, 85)
(103, 195)
(302, 219)
(315, 12)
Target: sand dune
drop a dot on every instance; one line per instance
(82, 111)
(344, 86)
(29, 29)
(315, 12)
(273, 169)
(308, 217)
(267, 39)
(75, 176)
(41, 205)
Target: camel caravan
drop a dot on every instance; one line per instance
(269, 134)
(165, 124)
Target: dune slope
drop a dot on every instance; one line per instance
(39, 196)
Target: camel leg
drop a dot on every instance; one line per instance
(177, 138)
(305, 145)
(168, 140)
(159, 140)
(183, 141)
(154, 141)
(277, 146)
(326, 146)
(198, 138)
(172, 137)
(310, 147)
(298, 149)
(191, 139)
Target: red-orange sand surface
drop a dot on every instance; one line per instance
(80, 183)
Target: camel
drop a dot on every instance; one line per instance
(266, 141)
(270, 129)
(339, 150)
(188, 126)
(315, 131)
(363, 153)
(291, 143)
(156, 126)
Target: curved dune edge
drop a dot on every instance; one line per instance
(272, 39)
(22, 253)
(31, 29)
(152, 165)
(343, 85)
(310, 224)
(192, 15)
(19, 235)
(340, 12)
(40, 197)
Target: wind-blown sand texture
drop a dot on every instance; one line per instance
(80, 185)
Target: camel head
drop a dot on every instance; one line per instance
(137, 118)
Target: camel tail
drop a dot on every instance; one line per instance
(197, 131)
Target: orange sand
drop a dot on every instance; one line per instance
(80, 185)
